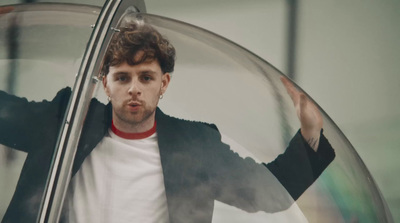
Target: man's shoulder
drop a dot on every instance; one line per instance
(188, 134)
(181, 122)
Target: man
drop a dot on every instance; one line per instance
(136, 164)
(194, 168)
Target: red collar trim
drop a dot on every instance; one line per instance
(126, 135)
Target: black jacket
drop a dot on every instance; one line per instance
(198, 168)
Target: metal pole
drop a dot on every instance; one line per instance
(291, 38)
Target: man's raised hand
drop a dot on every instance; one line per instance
(308, 114)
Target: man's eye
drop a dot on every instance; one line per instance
(122, 79)
(146, 78)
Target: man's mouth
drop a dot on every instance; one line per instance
(134, 105)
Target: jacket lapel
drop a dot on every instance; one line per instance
(182, 164)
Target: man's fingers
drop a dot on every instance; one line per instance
(308, 113)
(293, 93)
(303, 102)
(307, 106)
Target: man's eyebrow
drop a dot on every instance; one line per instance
(147, 71)
(121, 73)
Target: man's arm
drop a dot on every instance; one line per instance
(253, 187)
(308, 153)
(300, 165)
(305, 158)
(24, 123)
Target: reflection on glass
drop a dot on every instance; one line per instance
(40, 51)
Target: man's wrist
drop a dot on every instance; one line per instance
(312, 138)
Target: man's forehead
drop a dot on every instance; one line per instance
(148, 65)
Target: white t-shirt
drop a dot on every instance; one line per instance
(120, 181)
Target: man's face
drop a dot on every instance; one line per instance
(135, 92)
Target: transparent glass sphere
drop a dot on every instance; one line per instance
(217, 81)
(214, 81)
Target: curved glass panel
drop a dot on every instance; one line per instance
(41, 46)
(216, 81)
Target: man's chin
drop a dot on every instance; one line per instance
(138, 119)
(135, 121)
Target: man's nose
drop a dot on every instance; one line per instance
(134, 88)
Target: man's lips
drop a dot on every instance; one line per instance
(134, 105)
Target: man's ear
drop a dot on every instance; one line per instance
(105, 86)
(166, 78)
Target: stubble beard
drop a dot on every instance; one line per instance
(135, 120)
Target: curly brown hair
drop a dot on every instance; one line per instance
(134, 38)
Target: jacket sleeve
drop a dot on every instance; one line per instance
(299, 166)
(253, 187)
(23, 123)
